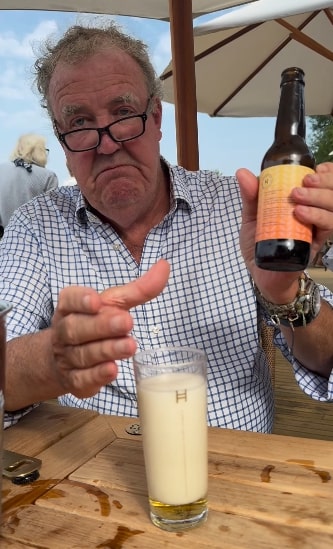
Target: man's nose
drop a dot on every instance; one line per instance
(107, 144)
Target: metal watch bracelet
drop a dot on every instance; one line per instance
(299, 312)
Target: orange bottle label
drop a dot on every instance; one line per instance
(275, 218)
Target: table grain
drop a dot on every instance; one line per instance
(265, 491)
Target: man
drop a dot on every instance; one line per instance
(87, 267)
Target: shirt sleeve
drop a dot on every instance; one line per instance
(327, 259)
(24, 280)
(312, 384)
(317, 387)
(11, 418)
(24, 284)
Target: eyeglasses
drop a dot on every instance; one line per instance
(124, 129)
(47, 150)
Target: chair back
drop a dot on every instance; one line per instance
(267, 343)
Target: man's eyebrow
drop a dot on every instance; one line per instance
(126, 98)
(69, 110)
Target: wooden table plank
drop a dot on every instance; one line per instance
(227, 494)
(281, 493)
(60, 459)
(302, 478)
(274, 507)
(119, 466)
(271, 447)
(276, 492)
(264, 491)
(46, 528)
(8, 544)
(249, 444)
(43, 427)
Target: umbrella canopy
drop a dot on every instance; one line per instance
(180, 14)
(152, 9)
(238, 68)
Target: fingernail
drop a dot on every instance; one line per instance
(313, 178)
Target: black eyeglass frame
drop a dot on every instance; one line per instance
(106, 130)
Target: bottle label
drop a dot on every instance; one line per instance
(275, 218)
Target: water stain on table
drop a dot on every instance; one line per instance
(122, 535)
(29, 494)
(266, 473)
(102, 497)
(310, 466)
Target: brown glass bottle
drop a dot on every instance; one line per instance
(282, 242)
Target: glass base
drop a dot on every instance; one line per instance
(176, 518)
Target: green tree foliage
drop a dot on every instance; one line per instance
(321, 143)
(321, 137)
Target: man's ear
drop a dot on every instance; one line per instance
(157, 112)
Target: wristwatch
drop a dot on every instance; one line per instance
(300, 312)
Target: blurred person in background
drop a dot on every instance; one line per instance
(24, 176)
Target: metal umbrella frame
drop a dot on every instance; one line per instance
(239, 58)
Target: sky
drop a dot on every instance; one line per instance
(225, 144)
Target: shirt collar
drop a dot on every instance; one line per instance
(179, 186)
(81, 210)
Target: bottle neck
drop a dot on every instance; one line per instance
(291, 113)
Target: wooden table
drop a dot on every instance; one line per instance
(265, 491)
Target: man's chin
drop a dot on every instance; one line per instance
(115, 203)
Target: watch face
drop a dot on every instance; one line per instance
(316, 301)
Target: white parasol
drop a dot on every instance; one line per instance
(239, 57)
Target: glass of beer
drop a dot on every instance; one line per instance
(171, 387)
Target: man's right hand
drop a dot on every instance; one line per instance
(90, 331)
(78, 353)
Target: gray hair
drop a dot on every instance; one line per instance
(31, 148)
(80, 42)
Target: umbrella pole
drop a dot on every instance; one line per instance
(182, 47)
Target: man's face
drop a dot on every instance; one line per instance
(117, 179)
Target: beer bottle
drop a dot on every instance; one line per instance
(282, 242)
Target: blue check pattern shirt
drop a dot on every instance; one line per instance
(55, 241)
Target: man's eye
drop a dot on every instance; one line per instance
(125, 111)
(78, 123)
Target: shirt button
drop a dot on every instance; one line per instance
(92, 217)
(156, 330)
(116, 247)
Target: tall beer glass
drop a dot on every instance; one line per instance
(172, 398)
